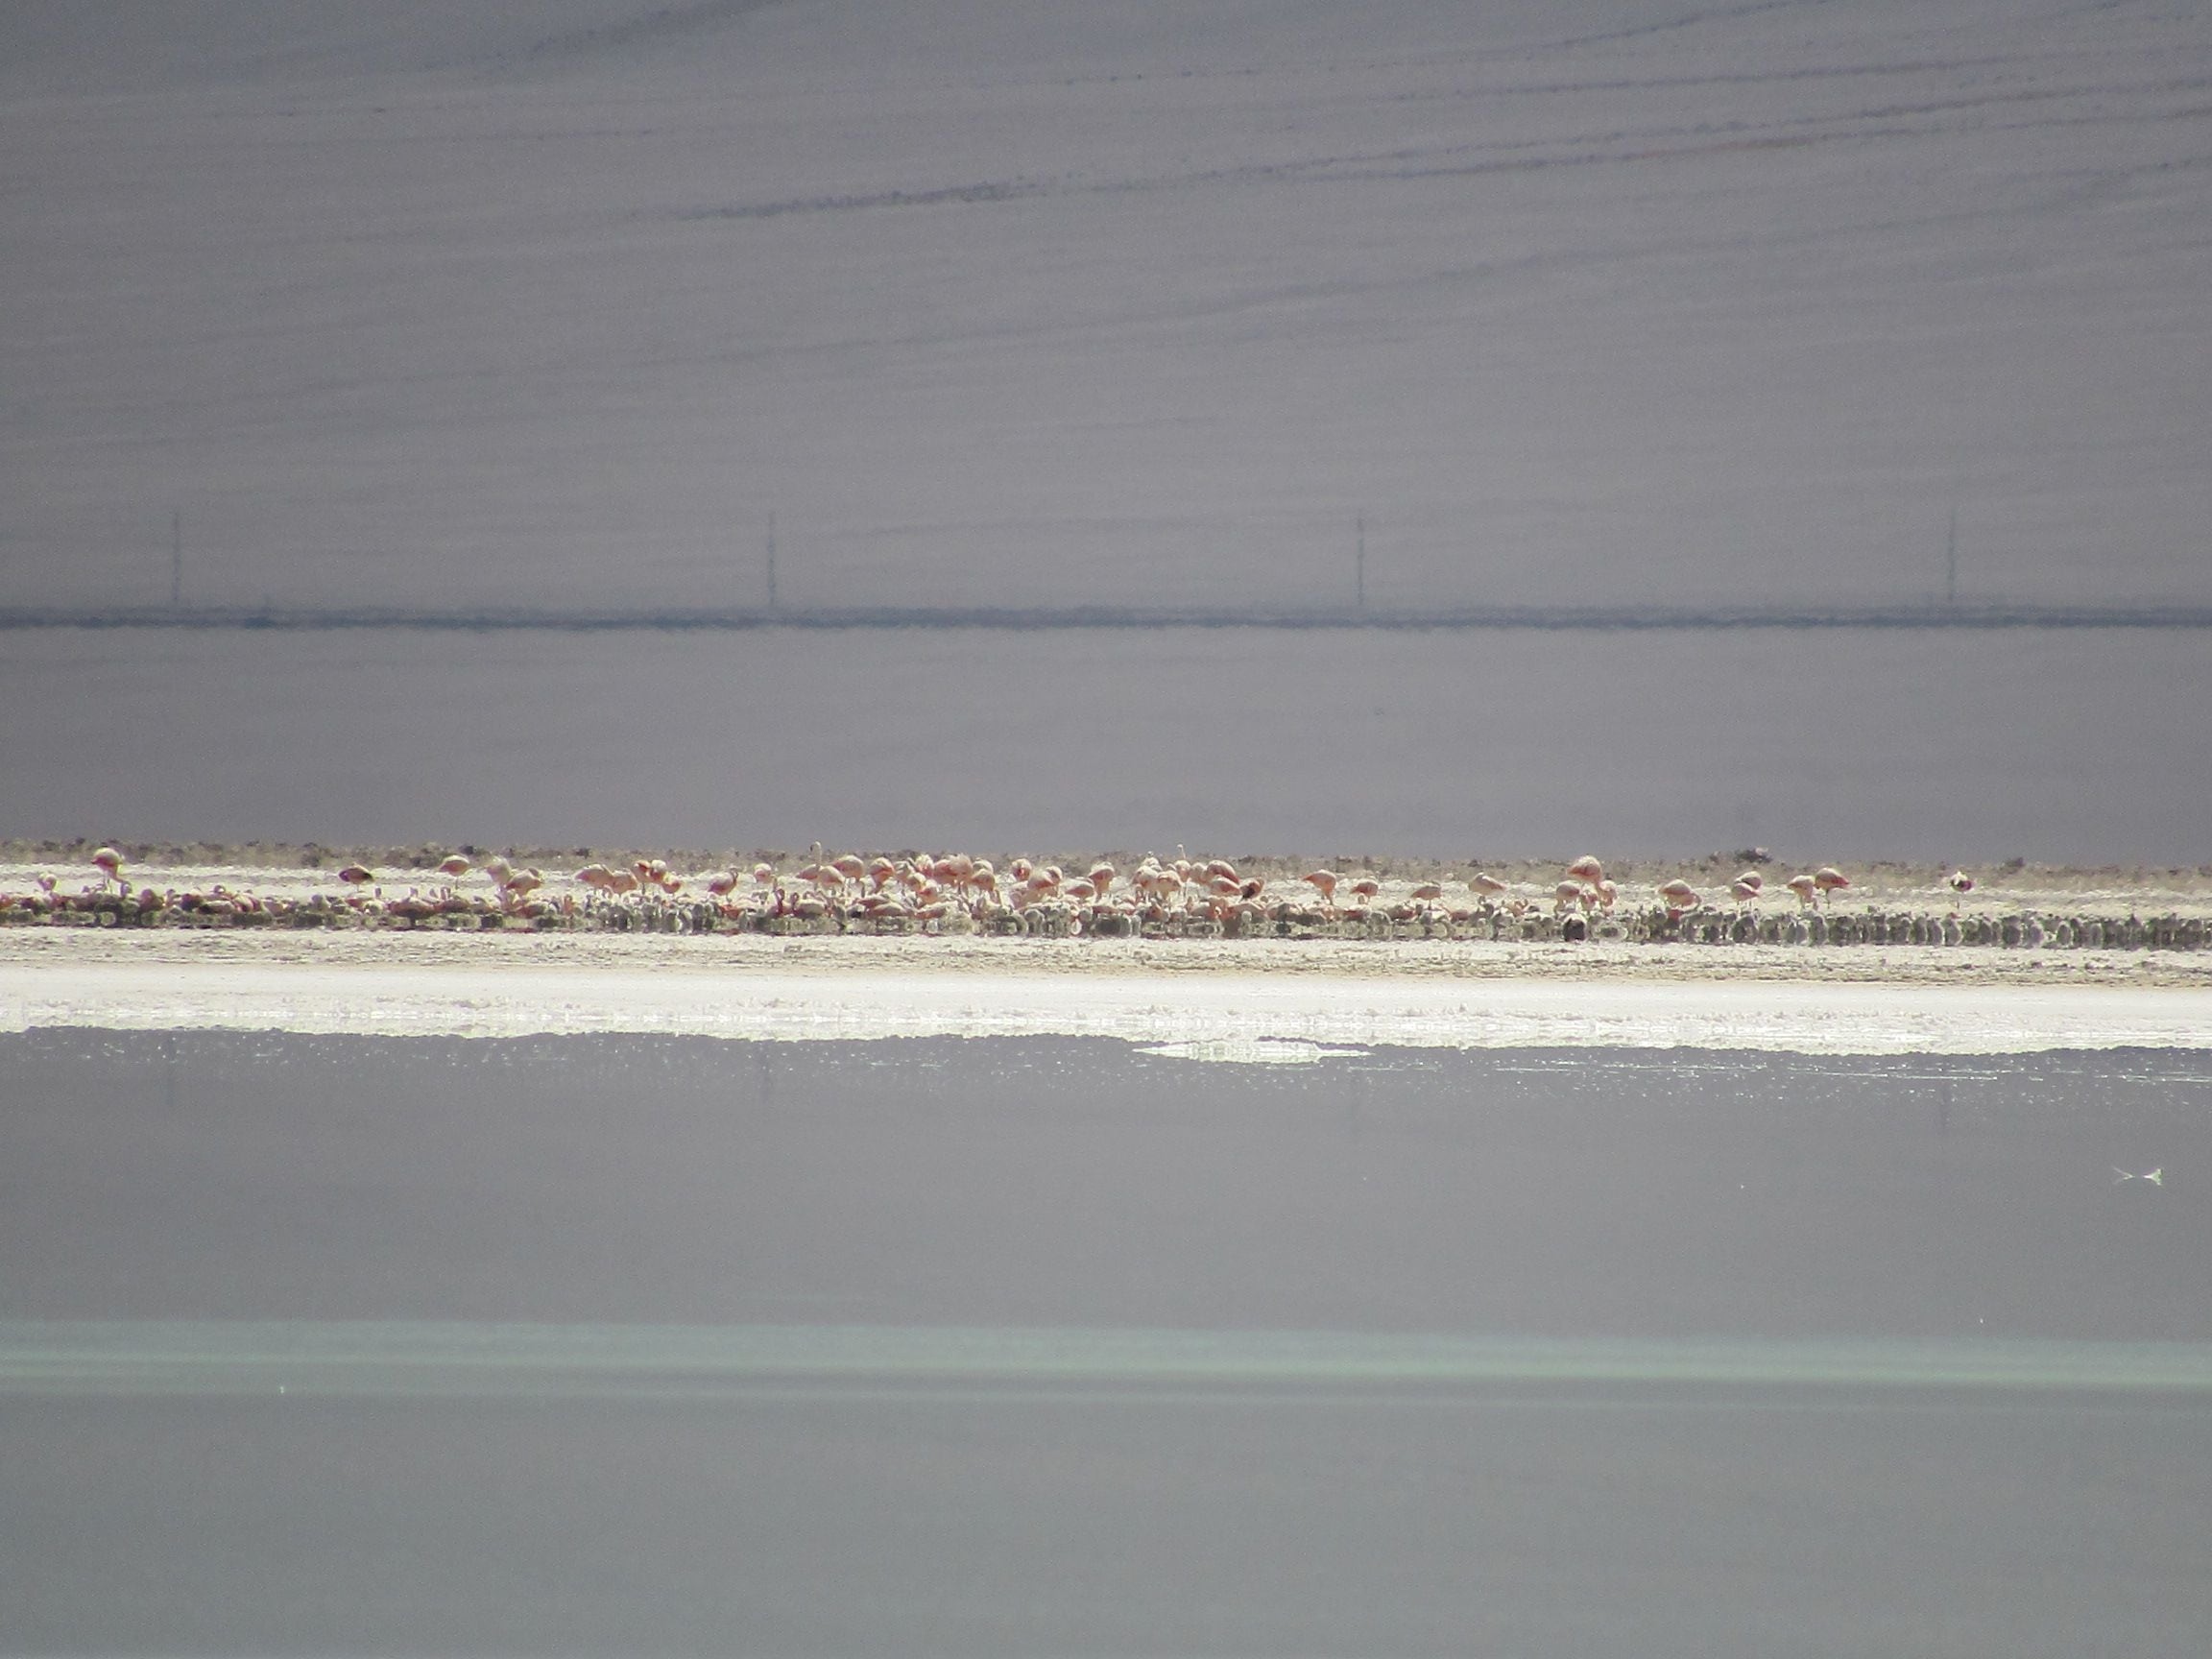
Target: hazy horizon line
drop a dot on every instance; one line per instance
(1927, 613)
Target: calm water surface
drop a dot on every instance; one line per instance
(1160, 1468)
(2083, 746)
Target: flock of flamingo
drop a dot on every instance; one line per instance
(958, 892)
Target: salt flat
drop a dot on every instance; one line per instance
(761, 995)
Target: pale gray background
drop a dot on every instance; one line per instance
(1053, 302)
(1681, 1197)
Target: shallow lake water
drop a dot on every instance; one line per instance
(1008, 1345)
(2076, 745)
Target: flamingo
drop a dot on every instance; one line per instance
(1323, 882)
(109, 863)
(1487, 886)
(1828, 879)
(1807, 889)
(456, 865)
(1566, 894)
(1743, 892)
(1958, 882)
(356, 874)
(1680, 897)
(1587, 869)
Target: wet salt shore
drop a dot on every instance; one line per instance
(1224, 1013)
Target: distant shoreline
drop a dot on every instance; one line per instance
(1541, 618)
